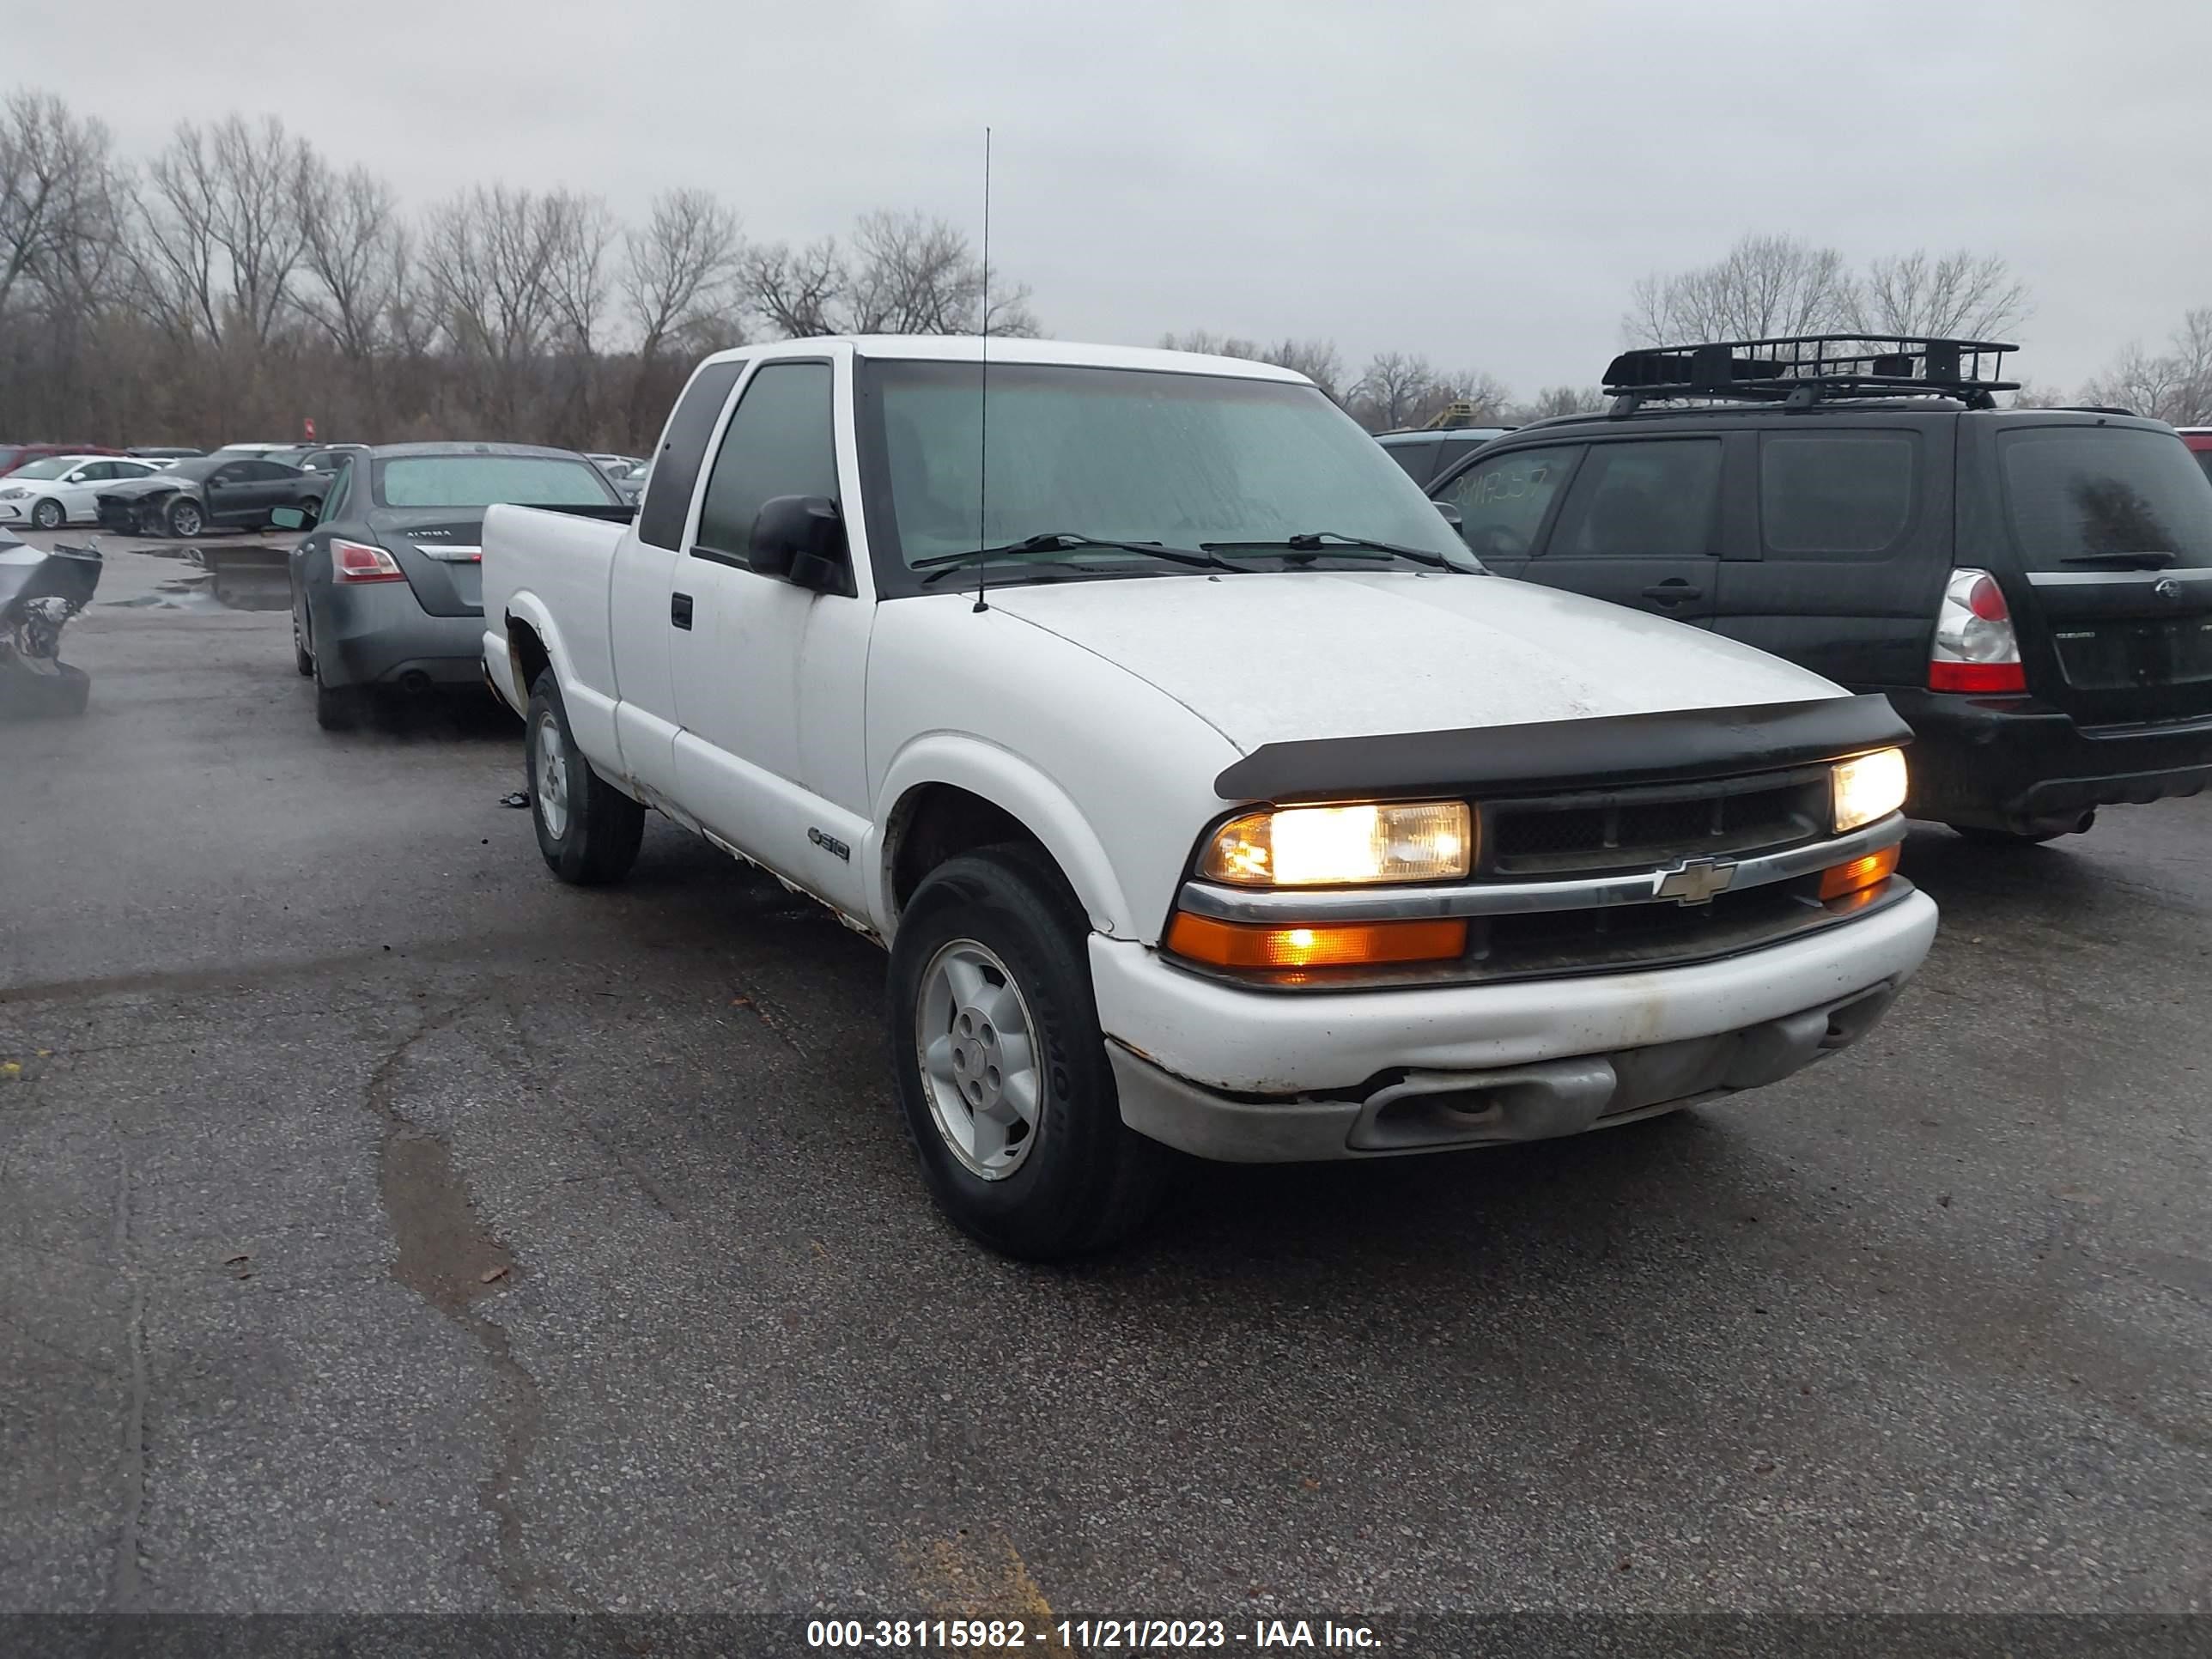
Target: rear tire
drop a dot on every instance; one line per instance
(337, 707)
(587, 830)
(1070, 1178)
(303, 659)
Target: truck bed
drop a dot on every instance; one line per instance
(545, 563)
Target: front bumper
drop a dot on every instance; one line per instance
(2009, 764)
(378, 633)
(1251, 1076)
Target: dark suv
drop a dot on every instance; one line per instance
(2032, 588)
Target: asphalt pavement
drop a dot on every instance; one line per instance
(387, 1227)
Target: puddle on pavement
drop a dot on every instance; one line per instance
(244, 577)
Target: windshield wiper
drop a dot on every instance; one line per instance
(1058, 541)
(1330, 541)
(2151, 559)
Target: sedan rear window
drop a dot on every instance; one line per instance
(480, 481)
(2076, 493)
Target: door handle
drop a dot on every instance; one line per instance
(1674, 592)
(679, 610)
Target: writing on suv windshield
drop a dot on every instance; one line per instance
(1121, 471)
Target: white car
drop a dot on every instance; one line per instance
(63, 489)
(1206, 791)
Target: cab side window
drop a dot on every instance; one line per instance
(780, 442)
(1503, 501)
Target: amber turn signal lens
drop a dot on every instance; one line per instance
(1337, 945)
(1871, 870)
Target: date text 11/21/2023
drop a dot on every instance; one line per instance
(1087, 1635)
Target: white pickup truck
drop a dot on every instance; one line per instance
(1206, 791)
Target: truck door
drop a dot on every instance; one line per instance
(650, 584)
(762, 658)
(1641, 527)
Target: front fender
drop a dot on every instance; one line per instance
(1015, 786)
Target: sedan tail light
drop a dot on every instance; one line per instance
(1975, 649)
(357, 561)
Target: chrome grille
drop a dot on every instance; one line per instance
(1593, 833)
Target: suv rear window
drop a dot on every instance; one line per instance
(2075, 492)
(1835, 495)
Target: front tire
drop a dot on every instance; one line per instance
(587, 830)
(1001, 1070)
(185, 520)
(303, 659)
(48, 515)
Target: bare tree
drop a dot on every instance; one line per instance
(351, 245)
(489, 256)
(680, 269)
(1392, 385)
(578, 230)
(1556, 400)
(902, 273)
(1956, 295)
(1319, 361)
(1762, 287)
(1206, 344)
(2175, 385)
(57, 194)
(798, 292)
(222, 229)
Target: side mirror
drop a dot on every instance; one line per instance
(288, 518)
(801, 540)
(1451, 514)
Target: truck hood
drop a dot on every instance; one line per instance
(1270, 657)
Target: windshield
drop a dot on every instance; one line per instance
(1129, 455)
(481, 481)
(52, 467)
(2075, 493)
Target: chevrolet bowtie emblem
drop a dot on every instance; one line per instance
(1695, 880)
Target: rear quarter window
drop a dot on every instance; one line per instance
(1836, 494)
(667, 502)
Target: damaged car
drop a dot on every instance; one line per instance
(226, 492)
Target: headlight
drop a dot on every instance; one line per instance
(1872, 787)
(12, 495)
(1342, 845)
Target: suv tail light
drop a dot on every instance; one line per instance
(1975, 648)
(356, 562)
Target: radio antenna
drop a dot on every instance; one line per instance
(983, 391)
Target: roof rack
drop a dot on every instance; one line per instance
(1799, 370)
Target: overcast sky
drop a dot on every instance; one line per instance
(1476, 181)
